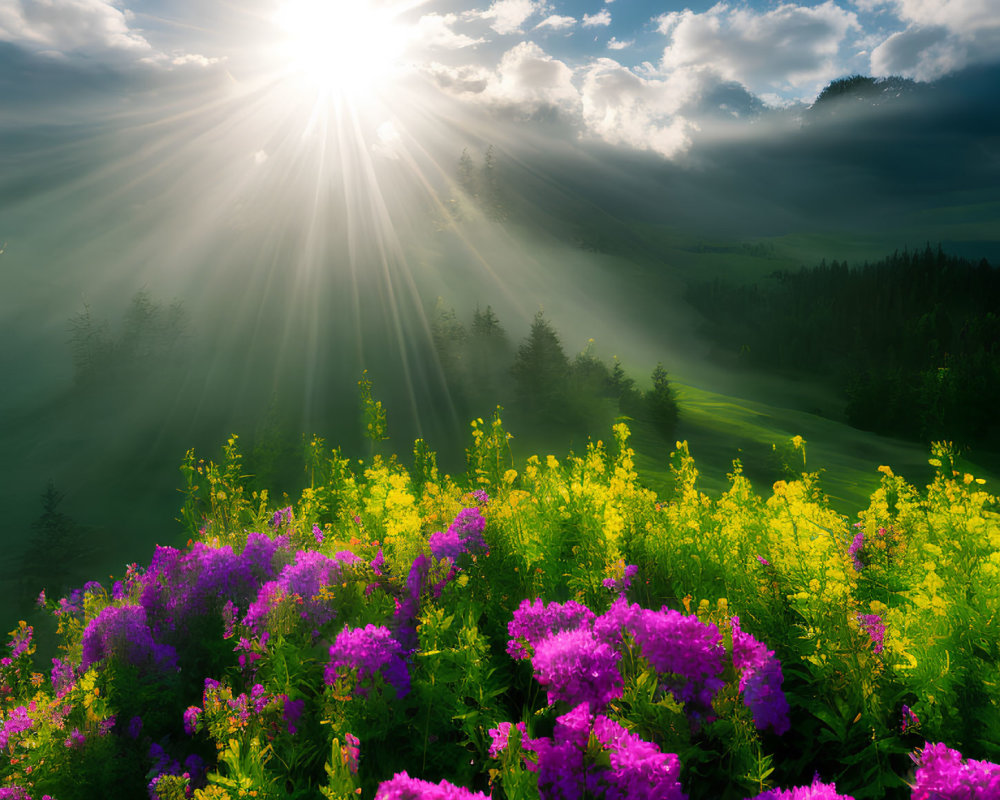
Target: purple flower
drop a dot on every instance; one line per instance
(816, 791)
(105, 725)
(17, 721)
(760, 681)
(122, 633)
(378, 563)
(622, 582)
(875, 628)
(20, 640)
(684, 647)
(192, 716)
(417, 576)
(194, 766)
(500, 736)
(75, 740)
(268, 598)
(63, 676)
(910, 720)
(480, 496)
(347, 558)
(261, 553)
(318, 534)
(15, 793)
(468, 525)
(230, 613)
(281, 518)
(942, 775)
(403, 787)
(561, 764)
(535, 621)
(576, 668)
(351, 750)
(369, 650)
(638, 768)
(292, 712)
(447, 544)
(310, 572)
(620, 618)
(134, 727)
(855, 548)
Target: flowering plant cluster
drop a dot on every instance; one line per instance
(549, 631)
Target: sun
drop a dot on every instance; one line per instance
(346, 47)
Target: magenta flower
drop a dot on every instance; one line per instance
(856, 547)
(943, 775)
(403, 787)
(638, 768)
(370, 650)
(872, 625)
(683, 647)
(464, 535)
(352, 748)
(20, 641)
(122, 632)
(620, 619)
(192, 716)
(281, 518)
(75, 740)
(760, 681)
(535, 621)
(292, 712)
(910, 720)
(623, 584)
(815, 791)
(500, 736)
(576, 668)
(634, 767)
(446, 544)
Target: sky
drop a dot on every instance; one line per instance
(629, 73)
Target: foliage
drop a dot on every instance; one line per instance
(911, 342)
(150, 337)
(545, 390)
(551, 631)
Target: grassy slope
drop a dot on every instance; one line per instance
(720, 428)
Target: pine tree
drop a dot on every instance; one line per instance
(541, 370)
(661, 406)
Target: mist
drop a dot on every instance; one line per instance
(301, 250)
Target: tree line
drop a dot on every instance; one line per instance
(912, 342)
(538, 384)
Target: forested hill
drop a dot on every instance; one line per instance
(912, 342)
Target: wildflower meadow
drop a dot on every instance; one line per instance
(548, 629)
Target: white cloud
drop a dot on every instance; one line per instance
(788, 46)
(66, 26)
(435, 30)
(195, 59)
(509, 15)
(614, 44)
(528, 76)
(464, 80)
(941, 36)
(623, 108)
(601, 19)
(963, 16)
(556, 22)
